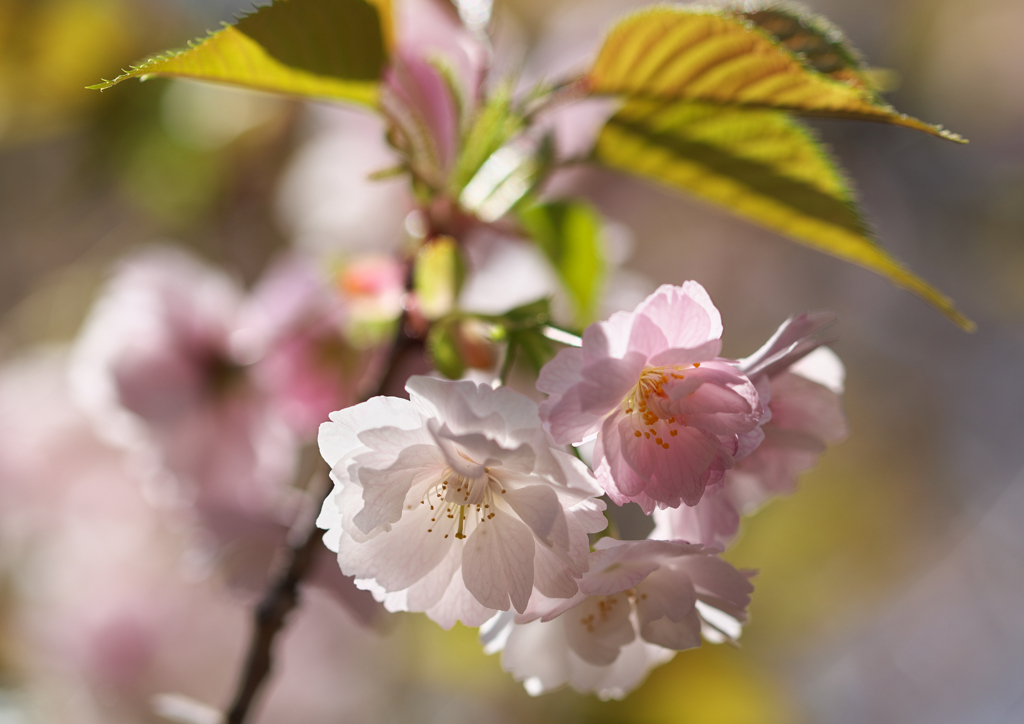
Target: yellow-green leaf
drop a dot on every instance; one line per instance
(682, 53)
(331, 49)
(758, 163)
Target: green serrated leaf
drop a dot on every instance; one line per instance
(443, 348)
(569, 234)
(493, 125)
(760, 164)
(673, 53)
(331, 49)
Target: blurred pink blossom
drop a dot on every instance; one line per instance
(214, 393)
(111, 605)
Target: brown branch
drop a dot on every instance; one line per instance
(282, 596)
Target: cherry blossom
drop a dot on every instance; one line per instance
(211, 393)
(293, 327)
(639, 602)
(454, 502)
(111, 605)
(670, 417)
(802, 383)
(155, 367)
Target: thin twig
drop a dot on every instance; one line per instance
(282, 596)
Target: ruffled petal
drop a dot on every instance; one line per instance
(340, 436)
(385, 491)
(685, 314)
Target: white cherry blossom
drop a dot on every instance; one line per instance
(639, 603)
(454, 502)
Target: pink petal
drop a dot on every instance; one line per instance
(792, 341)
(674, 474)
(713, 522)
(598, 628)
(563, 371)
(685, 314)
(665, 610)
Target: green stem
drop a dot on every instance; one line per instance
(509, 362)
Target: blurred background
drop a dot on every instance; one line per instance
(891, 586)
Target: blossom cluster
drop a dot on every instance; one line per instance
(482, 500)
(464, 503)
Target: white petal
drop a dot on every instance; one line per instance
(824, 367)
(340, 436)
(458, 604)
(330, 520)
(551, 576)
(538, 507)
(537, 653)
(620, 678)
(399, 557)
(497, 562)
(385, 491)
(428, 591)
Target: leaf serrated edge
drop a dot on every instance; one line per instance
(138, 71)
(887, 112)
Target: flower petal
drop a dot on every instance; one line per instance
(599, 627)
(497, 562)
(538, 507)
(458, 604)
(685, 314)
(399, 557)
(340, 436)
(385, 491)
(675, 474)
(665, 603)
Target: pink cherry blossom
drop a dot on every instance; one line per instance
(670, 417)
(165, 368)
(295, 322)
(639, 602)
(155, 367)
(454, 502)
(802, 383)
(110, 605)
